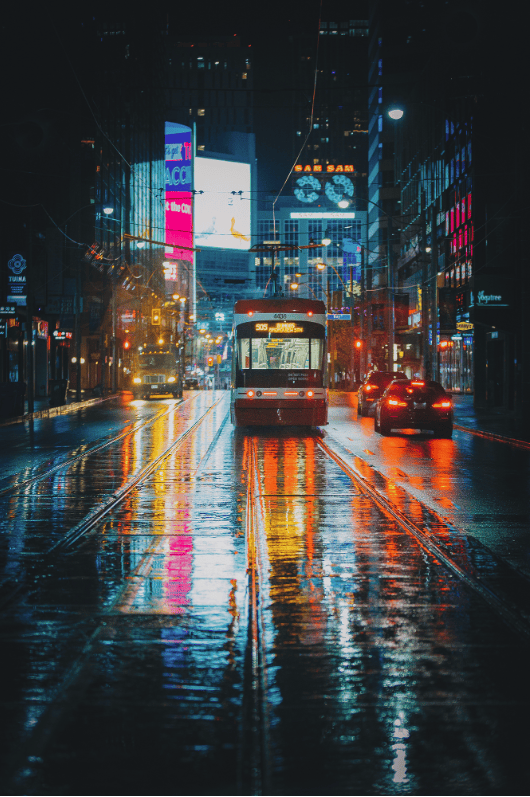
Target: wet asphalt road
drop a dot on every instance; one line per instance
(140, 661)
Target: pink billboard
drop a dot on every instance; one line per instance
(179, 215)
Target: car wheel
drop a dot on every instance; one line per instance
(444, 430)
(384, 427)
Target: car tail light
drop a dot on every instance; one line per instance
(396, 403)
(369, 387)
(250, 393)
(418, 383)
(442, 405)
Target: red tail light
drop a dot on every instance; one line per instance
(396, 403)
(418, 383)
(369, 387)
(442, 405)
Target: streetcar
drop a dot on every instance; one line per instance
(279, 374)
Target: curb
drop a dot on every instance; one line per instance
(62, 409)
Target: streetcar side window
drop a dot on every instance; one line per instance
(243, 353)
(317, 353)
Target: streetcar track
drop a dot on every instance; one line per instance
(255, 735)
(87, 452)
(90, 522)
(70, 691)
(507, 612)
(93, 518)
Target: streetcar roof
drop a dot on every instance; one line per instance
(280, 305)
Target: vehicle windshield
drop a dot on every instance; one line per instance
(272, 354)
(164, 361)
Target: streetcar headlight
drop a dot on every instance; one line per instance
(171, 379)
(310, 394)
(137, 380)
(250, 393)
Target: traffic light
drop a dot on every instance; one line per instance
(210, 361)
(155, 316)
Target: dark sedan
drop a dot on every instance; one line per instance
(373, 387)
(415, 404)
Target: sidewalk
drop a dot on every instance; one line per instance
(42, 409)
(489, 422)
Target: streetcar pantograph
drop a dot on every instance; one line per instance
(279, 363)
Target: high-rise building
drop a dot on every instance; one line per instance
(453, 280)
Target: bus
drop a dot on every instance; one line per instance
(157, 372)
(279, 374)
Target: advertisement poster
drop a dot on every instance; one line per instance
(222, 210)
(178, 197)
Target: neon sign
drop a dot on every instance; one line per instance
(318, 167)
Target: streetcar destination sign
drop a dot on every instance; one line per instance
(280, 326)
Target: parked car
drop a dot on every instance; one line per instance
(416, 404)
(191, 384)
(373, 387)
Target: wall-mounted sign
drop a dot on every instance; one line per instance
(61, 334)
(16, 280)
(464, 326)
(490, 291)
(8, 310)
(178, 206)
(329, 184)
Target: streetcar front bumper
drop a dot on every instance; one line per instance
(280, 407)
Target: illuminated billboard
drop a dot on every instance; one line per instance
(222, 210)
(179, 215)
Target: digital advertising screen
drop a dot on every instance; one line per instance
(178, 204)
(222, 210)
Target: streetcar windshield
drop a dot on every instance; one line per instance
(271, 354)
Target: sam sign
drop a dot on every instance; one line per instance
(178, 206)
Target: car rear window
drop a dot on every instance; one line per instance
(418, 393)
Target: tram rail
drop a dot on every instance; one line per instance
(513, 615)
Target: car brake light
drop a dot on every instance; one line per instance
(370, 387)
(442, 405)
(396, 403)
(418, 383)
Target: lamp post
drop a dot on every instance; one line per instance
(114, 310)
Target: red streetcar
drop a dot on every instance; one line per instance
(279, 363)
